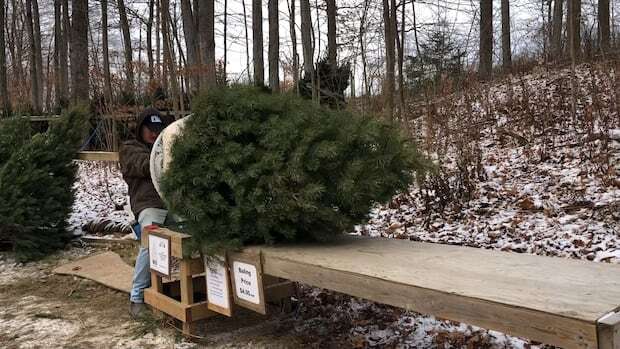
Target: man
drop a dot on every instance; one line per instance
(146, 204)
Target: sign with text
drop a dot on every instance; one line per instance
(159, 254)
(248, 281)
(218, 289)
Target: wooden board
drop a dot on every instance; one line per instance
(552, 300)
(609, 331)
(98, 155)
(179, 246)
(106, 268)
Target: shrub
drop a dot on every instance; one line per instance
(252, 167)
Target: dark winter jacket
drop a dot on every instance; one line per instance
(135, 159)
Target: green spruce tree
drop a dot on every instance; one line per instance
(254, 167)
(36, 180)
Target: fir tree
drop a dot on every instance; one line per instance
(36, 180)
(252, 167)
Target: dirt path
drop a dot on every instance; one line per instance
(39, 309)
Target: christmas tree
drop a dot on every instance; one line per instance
(254, 167)
(36, 180)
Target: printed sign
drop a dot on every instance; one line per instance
(218, 290)
(159, 254)
(247, 281)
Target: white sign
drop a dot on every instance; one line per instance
(217, 282)
(159, 254)
(246, 282)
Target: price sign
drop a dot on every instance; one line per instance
(218, 290)
(248, 281)
(159, 254)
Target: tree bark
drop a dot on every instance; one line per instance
(306, 39)
(388, 86)
(107, 81)
(486, 39)
(257, 42)
(247, 41)
(506, 47)
(169, 59)
(603, 26)
(129, 87)
(79, 51)
(574, 29)
(57, 48)
(332, 48)
(401, 62)
(274, 46)
(189, 31)
(206, 28)
(38, 51)
(225, 73)
(293, 34)
(35, 88)
(5, 103)
(556, 32)
(149, 41)
(415, 29)
(362, 39)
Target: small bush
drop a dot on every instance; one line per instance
(252, 167)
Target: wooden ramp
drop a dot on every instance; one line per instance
(569, 303)
(106, 268)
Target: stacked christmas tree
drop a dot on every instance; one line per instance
(252, 167)
(36, 180)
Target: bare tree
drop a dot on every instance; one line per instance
(129, 87)
(79, 51)
(556, 32)
(225, 40)
(603, 25)
(573, 28)
(274, 46)
(306, 40)
(400, 48)
(35, 81)
(293, 34)
(169, 57)
(506, 47)
(206, 35)
(257, 42)
(149, 41)
(247, 41)
(388, 86)
(189, 31)
(486, 39)
(5, 108)
(107, 81)
(332, 50)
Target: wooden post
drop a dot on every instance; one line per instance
(609, 331)
(187, 291)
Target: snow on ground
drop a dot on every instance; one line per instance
(555, 192)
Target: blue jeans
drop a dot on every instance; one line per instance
(141, 273)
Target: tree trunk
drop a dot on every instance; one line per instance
(225, 73)
(189, 31)
(574, 29)
(247, 41)
(5, 103)
(293, 34)
(556, 32)
(401, 62)
(257, 42)
(57, 48)
(362, 39)
(35, 94)
(206, 28)
(332, 48)
(158, 72)
(64, 53)
(388, 88)
(149, 41)
(603, 25)
(274, 46)
(169, 59)
(38, 51)
(107, 81)
(129, 87)
(306, 39)
(415, 29)
(79, 51)
(506, 47)
(486, 39)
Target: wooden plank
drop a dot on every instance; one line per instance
(199, 311)
(98, 155)
(552, 300)
(187, 284)
(609, 331)
(179, 246)
(165, 304)
(196, 266)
